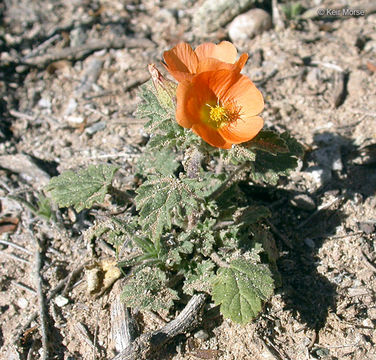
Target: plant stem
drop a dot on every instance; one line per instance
(215, 194)
(192, 165)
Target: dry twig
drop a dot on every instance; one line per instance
(41, 300)
(148, 344)
(79, 52)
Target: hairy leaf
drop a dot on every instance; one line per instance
(238, 154)
(146, 289)
(252, 214)
(268, 167)
(268, 141)
(82, 189)
(157, 197)
(241, 288)
(199, 278)
(162, 162)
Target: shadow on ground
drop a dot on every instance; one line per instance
(305, 291)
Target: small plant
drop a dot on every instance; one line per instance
(292, 10)
(195, 230)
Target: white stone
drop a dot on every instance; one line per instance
(61, 301)
(249, 24)
(22, 303)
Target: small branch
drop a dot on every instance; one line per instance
(284, 238)
(146, 346)
(215, 194)
(41, 302)
(19, 247)
(219, 261)
(79, 52)
(24, 287)
(14, 257)
(124, 328)
(51, 294)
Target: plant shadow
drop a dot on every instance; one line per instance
(347, 171)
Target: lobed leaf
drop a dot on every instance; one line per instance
(241, 289)
(269, 167)
(199, 278)
(157, 197)
(82, 189)
(146, 289)
(268, 141)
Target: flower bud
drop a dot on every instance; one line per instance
(165, 90)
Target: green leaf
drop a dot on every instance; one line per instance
(157, 197)
(162, 162)
(201, 236)
(239, 154)
(83, 189)
(199, 278)
(146, 289)
(44, 207)
(241, 289)
(252, 214)
(268, 167)
(268, 141)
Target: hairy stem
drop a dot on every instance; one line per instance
(192, 163)
(228, 182)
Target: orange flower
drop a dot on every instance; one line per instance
(221, 107)
(183, 63)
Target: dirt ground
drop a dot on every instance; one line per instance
(66, 109)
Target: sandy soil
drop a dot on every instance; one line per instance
(318, 77)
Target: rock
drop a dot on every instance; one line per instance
(250, 24)
(44, 103)
(22, 303)
(201, 335)
(71, 107)
(304, 202)
(27, 167)
(213, 15)
(357, 84)
(329, 157)
(91, 130)
(319, 176)
(367, 227)
(61, 301)
(310, 243)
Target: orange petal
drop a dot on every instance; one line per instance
(211, 136)
(179, 75)
(181, 58)
(241, 62)
(224, 51)
(211, 64)
(244, 93)
(191, 99)
(242, 130)
(219, 82)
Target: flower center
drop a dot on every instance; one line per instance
(219, 115)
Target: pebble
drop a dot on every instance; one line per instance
(91, 130)
(250, 24)
(304, 202)
(61, 301)
(319, 176)
(44, 103)
(310, 243)
(71, 107)
(22, 303)
(329, 157)
(201, 335)
(76, 120)
(27, 167)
